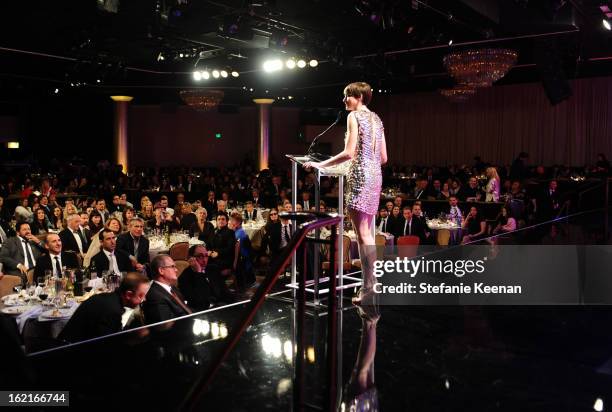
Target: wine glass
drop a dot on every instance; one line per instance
(17, 289)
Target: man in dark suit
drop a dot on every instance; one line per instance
(221, 248)
(116, 206)
(101, 207)
(201, 283)
(306, 202)
(135, 244)
(164, 301)
(74, 239)
(19, 253)
(109, 258)
(382, 221)
(55, 259)
(412, 226)
(548, 203)
(108, 313)
(250, 213)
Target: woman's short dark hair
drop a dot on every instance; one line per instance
(359, 89)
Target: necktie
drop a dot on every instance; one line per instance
(286, 233)
(180, 302)
(384, 225)
(83, 239)
(58, 268)
(82, 245)
(29, 258)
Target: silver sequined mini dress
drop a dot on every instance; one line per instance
(364, 177)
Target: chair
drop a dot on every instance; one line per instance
(181, 265)
(257, 239)
(346, 248)
(179, 251)
(443, 237)
(7, 283)
(30, 276)
(265, 214)
(407, 246)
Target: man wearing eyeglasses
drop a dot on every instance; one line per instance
(201, 283)
(108, 313)
(164, 300)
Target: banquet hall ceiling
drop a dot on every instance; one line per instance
(112, 46)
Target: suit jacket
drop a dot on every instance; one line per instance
(70, 243)
(245, 215)
(388, 225)
(205, 235)
(547, 204)
(159, 305)
(98, 316)
(101, 262)
(203, 289)
(188, 220)
(223, 242)
(11, 254)
(44, 263)
(272, 237)
(126, 244)
(417, 228)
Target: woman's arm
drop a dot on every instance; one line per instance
(383, 150)
(349, 148)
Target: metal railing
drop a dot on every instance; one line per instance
(310, 221)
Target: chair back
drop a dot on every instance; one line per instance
(408, 246)
(181, 265)
(179, 251)
(257, 239)
(265, 215)
(7, 283)
(381, 242)
(30, 276)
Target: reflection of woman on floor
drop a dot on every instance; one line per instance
(366, 151)
(361, 393)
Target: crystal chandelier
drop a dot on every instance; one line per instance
(459, 93)
(479, 68)
(201, 99)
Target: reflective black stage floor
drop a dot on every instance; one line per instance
(435, 358)
(427, 358)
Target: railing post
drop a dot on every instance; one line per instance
(298, 387)
(332, 336)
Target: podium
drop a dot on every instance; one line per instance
(337, 171)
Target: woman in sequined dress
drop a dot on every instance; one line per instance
(366, 151)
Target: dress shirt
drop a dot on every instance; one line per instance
(112, 262)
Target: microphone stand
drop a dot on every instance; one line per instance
(309, 151)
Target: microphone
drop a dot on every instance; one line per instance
(338, 117)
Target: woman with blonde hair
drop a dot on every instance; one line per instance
(493, 185)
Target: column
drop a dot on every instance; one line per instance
(120, 145)
(263, 148)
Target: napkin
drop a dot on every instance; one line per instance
(96, 283)
(21, 319)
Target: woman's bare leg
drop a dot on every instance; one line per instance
(362, 223)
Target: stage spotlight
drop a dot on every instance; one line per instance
(290, 64)
(290, 97)
(223, 74)
(181, 55)
(272, 65)
(205, 75)
(197, 76)
(313, 63)
(606, 24)
(216, 74)
(450, 42)
(301, 63)
(235, 74)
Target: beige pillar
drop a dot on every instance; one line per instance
(121, 131)
(264, 131)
